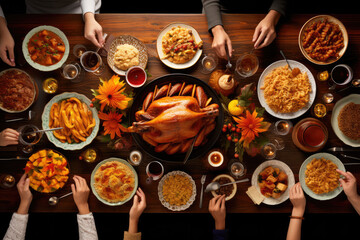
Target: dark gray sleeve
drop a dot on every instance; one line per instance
(212, 10)
(279, 6)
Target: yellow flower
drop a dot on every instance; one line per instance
(250, 127)
(111, 94)
(111, 123)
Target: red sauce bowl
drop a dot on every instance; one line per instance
(136, 76)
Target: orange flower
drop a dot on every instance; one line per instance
(250, 127)
(111, 94)
(111, 123)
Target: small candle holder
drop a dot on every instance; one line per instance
(209, 63)
(323, 76)
(319, 110)
(78, 50)
(135, 157)
(7, 181)
(90, 155)
(268, 151)
(328, 98)
(237, 169)
(282, 127)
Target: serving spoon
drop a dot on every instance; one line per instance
(294, 71)
(31, 115)
(55, 200)
(213, 186)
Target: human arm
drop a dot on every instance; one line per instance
(139, 205)
(9, 137)
(218, 211)
(265, 32)
(92, 30)
(350, 188)
(18, 223)
(298, 200)
(87, 228)
(6, 42)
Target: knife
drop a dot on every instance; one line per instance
(341, 149)
(347, 156)
(188, 153)
(14, 158)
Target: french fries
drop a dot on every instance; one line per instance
(75, 118)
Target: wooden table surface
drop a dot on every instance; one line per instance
(146, 27)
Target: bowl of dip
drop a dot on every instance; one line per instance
(136, 76)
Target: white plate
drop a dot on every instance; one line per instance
(161, 54)
(325, 196)
(234, 184)
(46, 118)
(282, 166)
(127, 39)
(39, 66)
(92, 181)
(293, 64)
(174, 207)
(355, 98)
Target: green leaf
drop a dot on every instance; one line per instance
(224, 100)
(40, 188)
(260, 111)
(104, 138)
(147, 73)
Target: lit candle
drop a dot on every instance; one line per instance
(328, 97)
(135, 158)
(269, 151)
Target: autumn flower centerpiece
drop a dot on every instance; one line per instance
(112, 100)
(244, 125)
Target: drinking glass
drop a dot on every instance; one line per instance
(237, 168)
(27, 140)
(341, 75)
(71, 71)
(268, 151)
(278, 142)
(78, 50)
(50, 85)
(154, 170)
(247, 65)
(282, 127)
(92, 62)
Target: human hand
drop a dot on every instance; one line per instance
(139, 205)
(218, 211)
(6, 44)
(81, 194)
(265, 31)
(9, 137)
(93, 30)
(348, 184)
(298, 200)
(25, 194)
(220, 40)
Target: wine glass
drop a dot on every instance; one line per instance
(28, 137)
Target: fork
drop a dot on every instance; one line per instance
(203, 178)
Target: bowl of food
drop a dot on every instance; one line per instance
(323, 40)
(125, 52)
(18, 90)
(228, 190)
(177, 191)
(114, 181)
(48, 170)
(46, 48)
(71, 111)
(179, 46)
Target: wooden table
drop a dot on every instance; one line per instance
(146, 27)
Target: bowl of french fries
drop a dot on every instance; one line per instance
(72, 112)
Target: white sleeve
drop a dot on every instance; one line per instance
(87, 228)
(87, 6)
(17, 227)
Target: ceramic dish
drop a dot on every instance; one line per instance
(260, 92)
(46, 118)
(325, 196)
(37, 65)
(355, 98)
(92, 181)
(161, 53)
(322, 18)
(234, 185)
(35, 90)
(127, 39)
(175, 207)
(282, 166)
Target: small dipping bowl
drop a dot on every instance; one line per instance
(136, 76)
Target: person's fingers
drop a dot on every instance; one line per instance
(259, 40)
(22, 179)
(11, 135)
(218, 202)
(345, 174)
(342, 182)
(229, 46)
(136, 200)
(351, 175)
(73, 189)
(100, 37)
(11, 55)
(223, 202)
(5, 58)
(77, 182)
(222, 50)
(27, 183)
(256, 34)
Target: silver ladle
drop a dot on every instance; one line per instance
(354, 83)
(55, 200)
(213, 186)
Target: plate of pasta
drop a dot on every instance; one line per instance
(273, 179)
(179, 46)
(283, 95)
(318, 176)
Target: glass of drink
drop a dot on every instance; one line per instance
(71, 71)
(78, 50)
(50, 85)
(209, 63)
(278, 142)
(154, 170)
(92, 62)
(237, 169)
(90, 155)
(28, 138)
(247, 65)
(282, 127)
(341, 75)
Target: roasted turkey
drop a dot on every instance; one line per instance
(170, 121)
